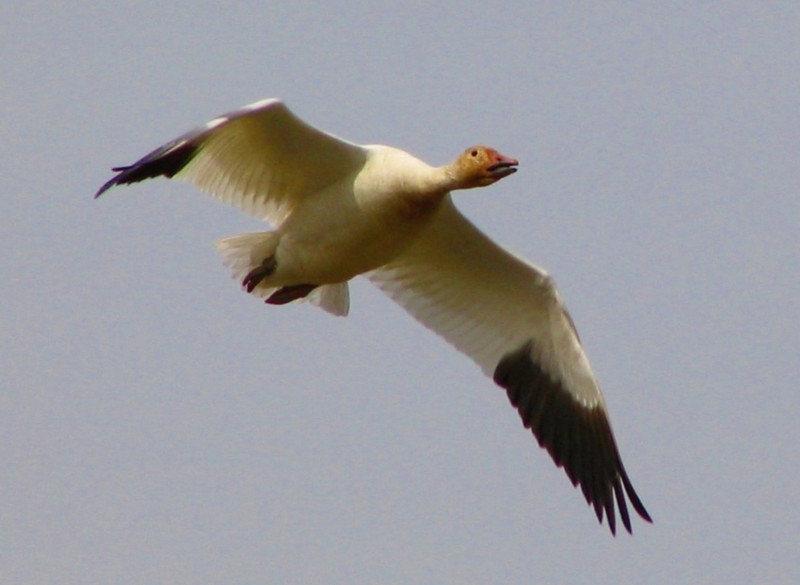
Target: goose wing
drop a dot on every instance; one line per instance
(261, 158)
(509, 318)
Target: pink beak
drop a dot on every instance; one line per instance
(502, 166)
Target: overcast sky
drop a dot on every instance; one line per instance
(158, 425)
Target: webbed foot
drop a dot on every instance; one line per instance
(287, 294)
(259, 273)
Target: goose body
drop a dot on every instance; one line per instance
(340, 210)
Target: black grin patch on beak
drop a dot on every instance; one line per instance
(503, 168)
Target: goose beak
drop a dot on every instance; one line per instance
(502, 167)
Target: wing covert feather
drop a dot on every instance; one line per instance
(485, 301)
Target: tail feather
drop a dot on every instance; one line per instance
(244, 252)
(334, 298)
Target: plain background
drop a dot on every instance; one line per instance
(157, 425)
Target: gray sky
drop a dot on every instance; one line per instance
(157, 425)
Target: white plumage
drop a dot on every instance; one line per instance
(340, 209)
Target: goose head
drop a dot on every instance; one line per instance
(480, 166)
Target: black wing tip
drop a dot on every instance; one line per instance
(623, 494)
(113, 181)
(165, 161)
(578, 438)
(633, 497)
(123, 177)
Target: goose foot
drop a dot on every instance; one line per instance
(259, 273)
(288, 294)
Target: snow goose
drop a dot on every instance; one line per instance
(342, 209)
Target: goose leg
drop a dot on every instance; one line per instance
(259, 273)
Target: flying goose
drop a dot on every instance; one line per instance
(341, 209)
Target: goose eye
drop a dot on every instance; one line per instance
(474, 153)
